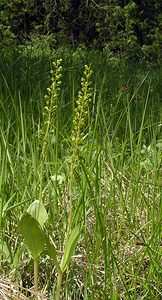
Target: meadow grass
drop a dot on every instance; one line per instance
(117, 188)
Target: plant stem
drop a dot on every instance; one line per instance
(36, 278)
(58, 288)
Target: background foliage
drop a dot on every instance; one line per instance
(133, 28)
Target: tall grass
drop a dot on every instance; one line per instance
(117, 190)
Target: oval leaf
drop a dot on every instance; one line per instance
(33, 234)
(38, 211)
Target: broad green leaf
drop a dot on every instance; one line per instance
(38, 211)
(70, 247)
(33, 235)
(52, 252)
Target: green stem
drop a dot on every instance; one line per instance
(58, 288)
(36, 278)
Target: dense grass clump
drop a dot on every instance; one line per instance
(108, 181)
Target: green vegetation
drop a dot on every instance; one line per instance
(130, 28)
(90, 152)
